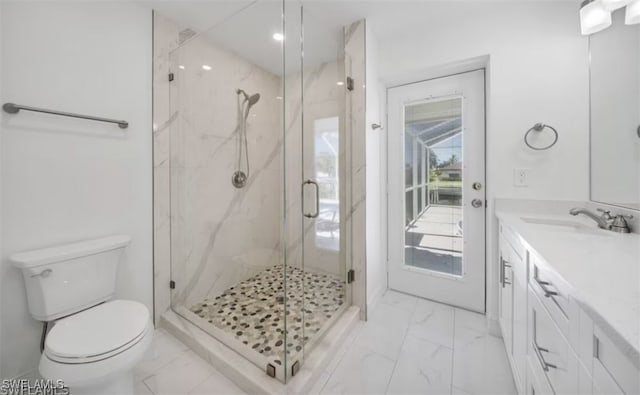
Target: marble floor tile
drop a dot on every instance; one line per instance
(387, 315)
(361, 371)
(180, 376)
(164, 348)
(345, 347)
(383, 339)
(433, 322)
(457, 391)
(480, 364)
(216, 384)
(422, 368)
(408, 346)
(141, 388)
(320, 383)
(469, 321)
(398, 300)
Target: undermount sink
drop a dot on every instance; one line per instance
(561, 225)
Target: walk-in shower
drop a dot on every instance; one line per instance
(239, 177)
(259, 263)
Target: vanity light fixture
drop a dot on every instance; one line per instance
(593, 17)
(632, 15)
(612, 5)
(278, 36)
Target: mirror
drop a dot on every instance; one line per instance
(615, 114)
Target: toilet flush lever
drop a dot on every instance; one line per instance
(45, 273)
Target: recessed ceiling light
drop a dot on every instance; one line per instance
(181, 67)
(278, 97)
(278, 36)
(340, 83)
(206, 67)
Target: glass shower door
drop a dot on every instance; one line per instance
(226, 182)
(323, 165)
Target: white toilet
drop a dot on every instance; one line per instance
(94, 341)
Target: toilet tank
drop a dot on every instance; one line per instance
(65, 279)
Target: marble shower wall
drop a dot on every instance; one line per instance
(220, 235)
(356, 163)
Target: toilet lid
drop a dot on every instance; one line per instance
(98, 331)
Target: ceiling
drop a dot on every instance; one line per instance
(247, 26)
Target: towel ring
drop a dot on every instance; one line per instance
(539, 127)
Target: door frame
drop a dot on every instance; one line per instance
(435, 73)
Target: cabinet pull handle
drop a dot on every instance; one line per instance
(503, 276)
(545, 365)
(547, 292)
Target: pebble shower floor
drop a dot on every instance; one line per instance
(252, 311)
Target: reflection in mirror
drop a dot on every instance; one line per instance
(615, 114)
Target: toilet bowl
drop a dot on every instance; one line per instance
(93, 351)
(94, 340)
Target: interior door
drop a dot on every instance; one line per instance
(436, 165)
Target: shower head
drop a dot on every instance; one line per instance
(253, 99)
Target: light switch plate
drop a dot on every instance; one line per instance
(520, 177)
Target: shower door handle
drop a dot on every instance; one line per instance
(315, 184)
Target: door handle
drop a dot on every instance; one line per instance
(317, 213)
(476, 203)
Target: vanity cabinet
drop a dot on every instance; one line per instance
(553, 345)
(513, 302)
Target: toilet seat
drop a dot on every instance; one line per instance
(98, 333)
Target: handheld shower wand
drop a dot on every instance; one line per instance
(240, 177)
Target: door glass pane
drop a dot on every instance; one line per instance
(409, 207)
(408, 160)
(433, 234)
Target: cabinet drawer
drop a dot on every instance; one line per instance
(603, 383)
(553, 294)
(585, 382)
(536, 380)
(611, 368)
(549, 348)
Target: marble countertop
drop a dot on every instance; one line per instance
(601, 267)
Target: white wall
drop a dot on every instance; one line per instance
(537, 72)
(1, 271)
(376, 173)
(64, 179)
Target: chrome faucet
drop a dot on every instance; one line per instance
(606, 221)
